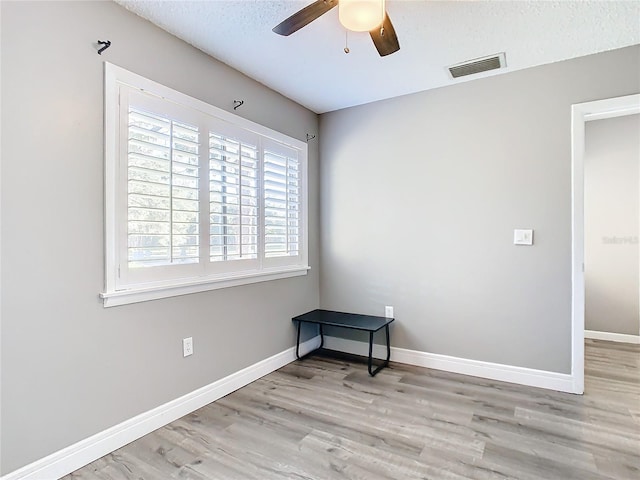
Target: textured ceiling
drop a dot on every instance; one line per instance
(311, 68)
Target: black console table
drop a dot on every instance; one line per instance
(354, 321)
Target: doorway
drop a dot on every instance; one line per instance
(581, 114)
(611, 216)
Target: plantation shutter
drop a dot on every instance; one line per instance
(233, 199)
(162, 197)
(282, 201)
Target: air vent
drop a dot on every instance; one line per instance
(478, 65)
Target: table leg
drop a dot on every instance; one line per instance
(385, 362)
(298, 342)
(386, 328)
(370, 362)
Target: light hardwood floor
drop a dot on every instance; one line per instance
(325, 418)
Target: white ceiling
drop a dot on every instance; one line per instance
(311, 68)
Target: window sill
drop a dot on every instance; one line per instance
(137, 294)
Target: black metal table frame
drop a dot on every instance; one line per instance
(385, 362)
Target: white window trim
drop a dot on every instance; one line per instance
(112, 296)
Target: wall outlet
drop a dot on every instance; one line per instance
(187, 346)
(388, 311)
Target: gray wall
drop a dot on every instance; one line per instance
(612, 214)
(420, 195)
(71, 368)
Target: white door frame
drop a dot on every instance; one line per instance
(581, 113)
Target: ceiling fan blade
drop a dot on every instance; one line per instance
(387, 41)
(303, 17)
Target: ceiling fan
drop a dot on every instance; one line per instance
(355, 15)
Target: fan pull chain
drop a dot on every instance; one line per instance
(346, 41)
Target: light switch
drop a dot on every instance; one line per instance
(522, 237)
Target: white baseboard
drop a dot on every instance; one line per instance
(612, 337)
(562, 382)
(86, 451)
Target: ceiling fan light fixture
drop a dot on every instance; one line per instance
(361, 15)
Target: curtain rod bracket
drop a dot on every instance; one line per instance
(237, 104)
(310, 137)
(105, 44)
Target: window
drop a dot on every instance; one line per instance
(196, 197)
